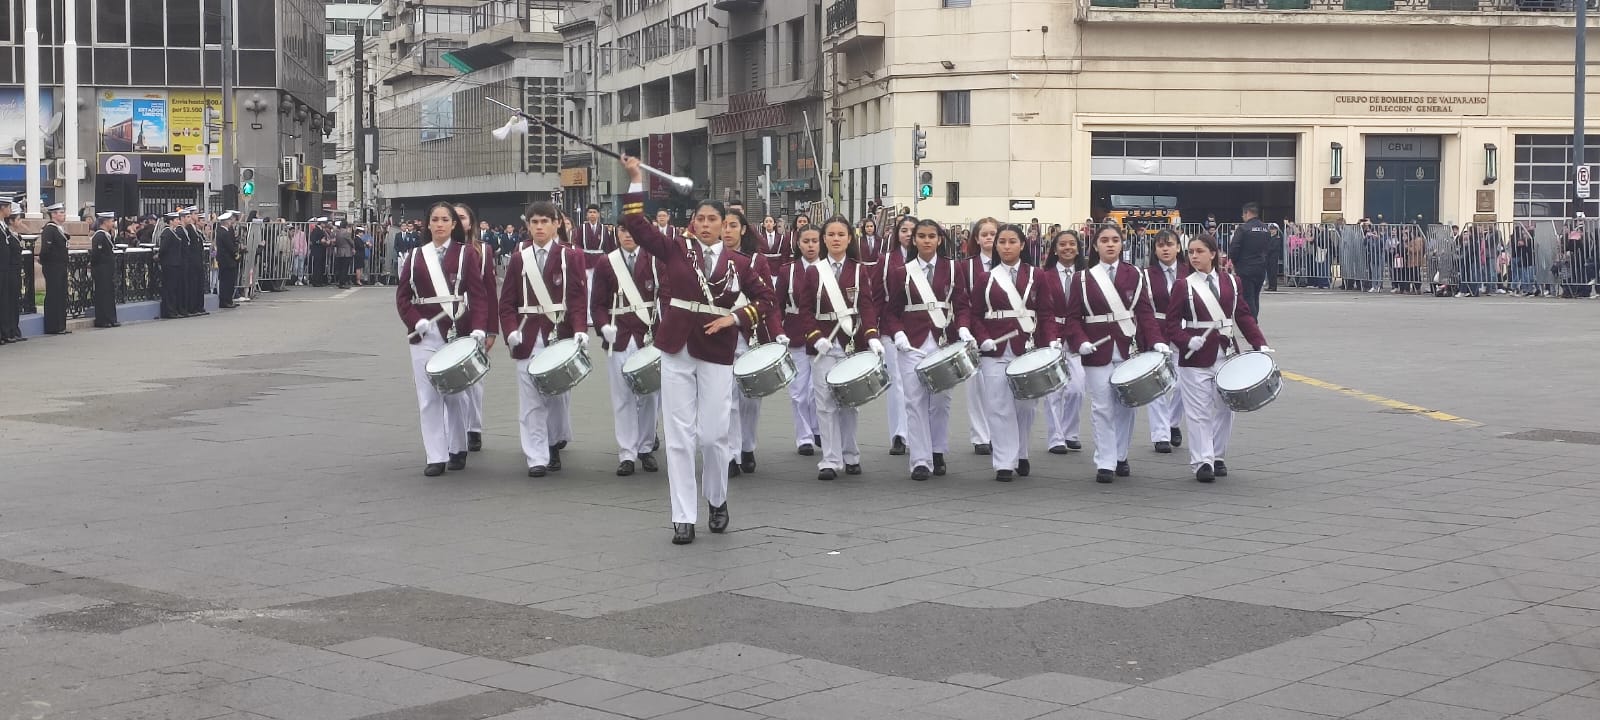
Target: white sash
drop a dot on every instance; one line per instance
(1026, 319)
(841, 310)
(533, 276)
(925, 289)
(1214, 308)
(430, 259)
(1113, 299)
(630, 290)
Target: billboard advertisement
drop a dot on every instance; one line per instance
(13, 123)
(186, 120)
(134, 121)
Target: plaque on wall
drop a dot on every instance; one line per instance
(1333, 199)
(1485, 201)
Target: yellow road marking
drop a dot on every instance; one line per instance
(1381, 400)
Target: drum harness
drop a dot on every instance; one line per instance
(533, 277)
(1214, 309)
(1027, 320)
(628, 291)
(932, 304)
(730, 282)
(844, 313)
(457, 301)
(1120, 314)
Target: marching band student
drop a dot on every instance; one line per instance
(541, 302)
(839, 311)
(441, 277)
(697, 334)
(1108, 309)
(1167, 410)
(491, 285)
(870, 249)
(1204, 316)
(918, 313)
(802, 397)
(896, 252)
(1010, 313)
(595, 240)
(975, 274)
(740, 237)
(776, 246)
(1063, 408)
(623, 301)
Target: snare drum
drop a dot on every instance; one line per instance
(1249, 381)
(764, 370)
(642, 370)
(457, 366)
(1142, 379)
(858, 379)
(948, 366)
(559, 367)
(1037, 373)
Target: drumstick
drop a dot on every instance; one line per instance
(442, 315)
(1203, 337)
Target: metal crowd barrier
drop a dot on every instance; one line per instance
(138, 275)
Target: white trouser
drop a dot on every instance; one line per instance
(1113, 421)
(536, 413)
(978, 413)
(444, 417)
(741, 434)
(836, 422)
(588, 299)
(927, 413)
(1210, 420)
(1064, 406)
(1167, 410)
(694, 402)
(634, 415)
(1010, 419)
(560, 415)
(895, 398)
(475, 407)
(803, 400)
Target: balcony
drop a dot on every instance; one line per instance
(575, 81)
(1446, 12)
(842, 29)
(841, 17)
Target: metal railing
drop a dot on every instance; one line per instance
(841, 16)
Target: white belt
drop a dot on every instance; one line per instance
(631, 308)
(924, 307)
(436, 300)
(1109, 317)
(587, 251)
(835, 316)
(1208, 324)
(541, 309)
(1061, 319)
(1007, 314)
(1161, 316)
(700, 307)
(791, 310)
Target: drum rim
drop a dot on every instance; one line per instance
(455, 361)
(777, 357)
(1142, 373)
(559, 344)
(648, 361)
(941, 354)
(1038, 352)
(1271, 364)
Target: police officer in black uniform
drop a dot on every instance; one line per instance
(10, 273)
(197, 264)
(171, 248)
(229, 254)
(1251, 252)
(317, 246)
(103, 269)
(53, 260)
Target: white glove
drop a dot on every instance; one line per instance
(479, 335)
(1055, 344)
(986, 346)
(875, 345)
(424, 327)
(1266, 349)
(782, 340)
(1196, 342)
(822, 345)
(901, 342)
(1086, 349)
(582, 338)
(963, 333)
(1162, 348)
(515, 338)
(609, 332)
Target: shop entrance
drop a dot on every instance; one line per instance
(1207, 173)
(1402, 179)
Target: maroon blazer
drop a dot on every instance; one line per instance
(870, 248)
(790, 279)
(778, 249)
(1184, 307)
(491, 287)
(564, 276)
(899, 293)
(460, 267)
(1157, 277)
(1035, 292)
(595, 242)
(859, 290)
(771, 325)
(681, 328)
(607, 294)
(1131, 286)
(1058, 299)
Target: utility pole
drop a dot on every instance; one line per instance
(33, 135)
(836, 118)
(69, 106)
(1580, 66)
(370, 146)
(230, 199)
(361, 124)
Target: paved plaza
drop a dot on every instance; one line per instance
(226, 518)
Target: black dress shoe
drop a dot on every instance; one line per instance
(538, 471)
(1177, 437)
(1204, 474)
(625, 468)
(561, 445)
(1023, 468)
(1003, 476)
(920, 473)
(747, 462)
(116, 324)
(61, 332)
(982, 449)
(826, 474)
(555, 458)
(1222, 468)
(816, 440)
(202, 312)
(1163, 447)
(682, 533)
(807, 449)
(648, 462)
(899, 446)
(733, 469)
(938, 464)
(458, 461)
(1074, 445)
(1102, 476)
(1058, 449)
(1123, 468)
(433, 469)
(474, 441)
(718, 520)
(850, 469)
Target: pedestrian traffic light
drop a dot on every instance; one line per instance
(919, 145)
(247, 181)
(925, 190)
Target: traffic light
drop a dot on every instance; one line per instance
(919, 145)
(213, 127)
(247, 181)
(925, 188)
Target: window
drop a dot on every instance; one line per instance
(955, 107)
(147, 29)
(183, 23)
(657, 41)
(957, 3)
(111, 22)
(683, 27)
(542, 99)
(605, 109)
(1542, 176)
(952, 192)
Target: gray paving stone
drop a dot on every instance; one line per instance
(559, 711)
(421, 658)
(1566, 707)
(1368, 678)
(585, 691)
(1153, 704)
(366, 678)
(526, 679)
(1058, 688)
(711, 712)
(974, 680)
(1252, 711)
(738, 700)
(372, 647)
(1484, 696)
(985, 705)
(715, 687)
(1309, 698)
(729, 657)
(1217, 684)
(1406, 709)
(1532, 676)
(1567, 656)
(645, 704)
(473, 669)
